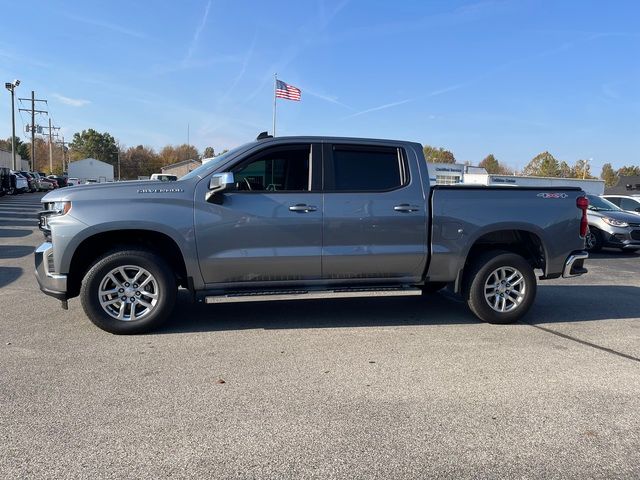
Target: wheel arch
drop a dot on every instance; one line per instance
(521, 241)
(97, 244)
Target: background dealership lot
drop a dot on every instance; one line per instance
(385, 387)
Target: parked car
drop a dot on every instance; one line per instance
(164, 177)
(5, 181)
(60, 180)
(610, 226)
(302, 218)
(71, 181)
(19, 184)
(46, 184)
(625, 202)
(31, 181)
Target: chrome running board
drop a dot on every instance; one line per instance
(312, 294)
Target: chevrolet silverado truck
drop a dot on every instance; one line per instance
(304, 218)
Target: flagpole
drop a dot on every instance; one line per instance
(275, 83)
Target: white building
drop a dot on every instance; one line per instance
(90, 168)
(456, 173)
(446, 173)
(6, 160)
(594, 187)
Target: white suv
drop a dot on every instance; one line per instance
(625, 202)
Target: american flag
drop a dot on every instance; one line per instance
(289, 92)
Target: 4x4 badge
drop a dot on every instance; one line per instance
(552, 195)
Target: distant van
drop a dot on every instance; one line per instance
(163, 177)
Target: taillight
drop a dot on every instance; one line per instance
(583, 203)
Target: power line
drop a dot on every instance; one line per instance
(33, 126)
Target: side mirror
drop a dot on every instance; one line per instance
(221, 181)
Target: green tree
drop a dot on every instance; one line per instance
(91, 143)
(609, 175)
(629, 171)
(492, 165)
(208, 153)
(22, 148)
(139, 161)
(174, 154)
(438, 155)
(565, 171)
(542, 165)
(582, 169)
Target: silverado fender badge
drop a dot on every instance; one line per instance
(161, 190)
(552, 195)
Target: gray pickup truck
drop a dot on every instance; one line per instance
(304, 218)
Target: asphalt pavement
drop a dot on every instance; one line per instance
(358, 388)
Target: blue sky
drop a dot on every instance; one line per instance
(512, 78)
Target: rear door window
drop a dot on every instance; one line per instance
(355, 168)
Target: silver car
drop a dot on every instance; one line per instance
(610, 226)
(625, 202)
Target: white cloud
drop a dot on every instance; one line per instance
(196, 34)
(74, 102)
(109, 26)
(381, 107)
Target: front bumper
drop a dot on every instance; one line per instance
(626, 238)
(574, 265)
(51, 283)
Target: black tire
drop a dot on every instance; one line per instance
(478, 276)
(593, 241)
(164, 289)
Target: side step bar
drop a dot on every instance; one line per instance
(312, 294)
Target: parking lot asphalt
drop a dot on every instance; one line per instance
(371, 388)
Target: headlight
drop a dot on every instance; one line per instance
(615, 223)
(61, 208)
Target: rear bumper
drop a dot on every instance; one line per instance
(53, 284)
(574, 265)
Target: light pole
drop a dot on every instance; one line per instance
(11, 86)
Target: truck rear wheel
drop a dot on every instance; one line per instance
(500, 287)
(129, 291)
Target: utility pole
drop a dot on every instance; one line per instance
(64, 156)
(33, 128)
(51, 135)
(11, 86)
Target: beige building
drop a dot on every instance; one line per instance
(181, 168)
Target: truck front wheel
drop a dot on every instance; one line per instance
(500, 287)
(129, 291)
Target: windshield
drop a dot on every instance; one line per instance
(599, 204)
(211, 164)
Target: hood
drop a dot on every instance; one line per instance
(120, 190)
(617, 215)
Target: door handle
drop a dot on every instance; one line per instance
(405, 207)
(302, 208)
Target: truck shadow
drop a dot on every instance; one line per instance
(15, 251)
(613, 253)
(17, 232)
(554, 304)
(9, 275)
